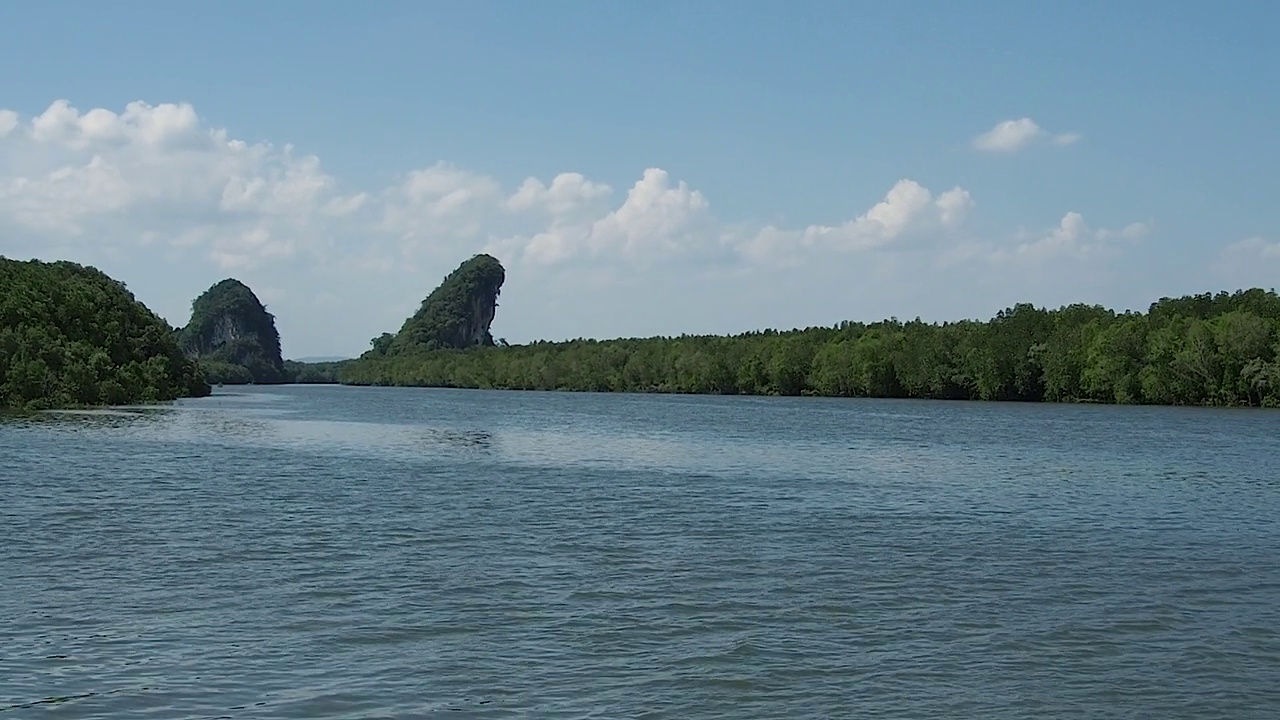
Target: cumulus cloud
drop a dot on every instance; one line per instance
(1073, 238)
(158, 175)
(907, 207)
(1013, 135)
(1008, 136)
(157, 172)
(438, 207)
(658, 218)
(568, 194)
(953, 206)
(909, 210)
(156, 186)
(1062, 251)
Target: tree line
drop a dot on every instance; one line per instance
(72, 336)
(1209, 349)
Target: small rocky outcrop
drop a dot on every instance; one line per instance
(456, 315)
(232, 336)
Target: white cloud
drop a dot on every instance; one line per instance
(953, 206)
(1069, 238)
(657, 219)
(157, 172)
(568, 194)
(1068, 248)
(908, 210)
(1132, 231)
(439, 204)
(1013, 135)
(1072, 238)
(1008, 136)
(907, 207)
(8, 121)
(162, 126)
(1255, 247)
(341, 206)
(172, 205)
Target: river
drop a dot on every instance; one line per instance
(337, 552)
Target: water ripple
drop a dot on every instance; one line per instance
(379, 553)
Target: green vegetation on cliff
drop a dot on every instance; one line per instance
(457, 314)
(70, 336)
(1221, 349)
(233, 337)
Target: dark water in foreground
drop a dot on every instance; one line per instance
(390, 553)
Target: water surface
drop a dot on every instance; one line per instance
(330, 552)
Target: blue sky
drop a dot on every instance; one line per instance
(724, 165)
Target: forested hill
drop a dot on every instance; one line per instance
(232, 336)
(457, 314)
(72, 336)
(1206, 349)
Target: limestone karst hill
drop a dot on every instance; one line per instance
(232, 336)
(456, 315)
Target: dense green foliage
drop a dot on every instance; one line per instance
(72, 336)
(455, 315)
(1205, 349)
(233, 337)
(220, 372)
(317, 373)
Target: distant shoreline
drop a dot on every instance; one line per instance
(575, 391)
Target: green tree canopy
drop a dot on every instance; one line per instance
(72, 336)
(1206, 349)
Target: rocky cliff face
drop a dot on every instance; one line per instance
(225, 331)
(233, 336)
(457, 314)
(483, 309)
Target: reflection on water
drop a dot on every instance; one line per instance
(244, 419)
(96, 419)
(458, 439)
